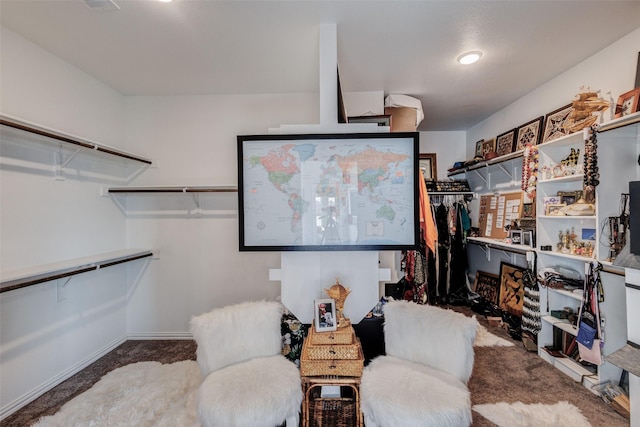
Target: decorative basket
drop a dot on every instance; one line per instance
(340, 336)
(334, 412)
(340, 367)
(329, 352)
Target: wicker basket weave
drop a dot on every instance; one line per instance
(341, 367)
(341, 336)
(333, 413)
(330, 352)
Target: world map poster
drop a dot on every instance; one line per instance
(346, 191)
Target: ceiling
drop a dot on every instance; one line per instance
(253, 47)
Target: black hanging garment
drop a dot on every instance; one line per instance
(458, 291)
(443, 252)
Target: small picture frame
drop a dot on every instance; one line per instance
(555, 209)
(479, 148)
(527, 239)
(515, 236)
(488, 146)
(427, 163)
(569, 197)
(627, 103)
(529, 133)
(504, 142)
(588, 234)
(325, 315)
(554, 123)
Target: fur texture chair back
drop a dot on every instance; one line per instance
(237, 333)
(442, 339)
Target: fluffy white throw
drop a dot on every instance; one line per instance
(518, 414)
(142, 394)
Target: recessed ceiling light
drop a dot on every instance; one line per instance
(469, 57)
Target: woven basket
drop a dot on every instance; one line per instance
(330, 352)
(333, 412)
(341, 336)
(340, 367)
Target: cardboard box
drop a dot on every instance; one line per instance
(403, 119)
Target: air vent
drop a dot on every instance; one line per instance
(101, 4)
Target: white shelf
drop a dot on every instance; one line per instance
(499, 244)
(575, 295)
(593, 217)
(56, 136)
(43, 273)
(561, 324)
(568, 256)
(567, 178)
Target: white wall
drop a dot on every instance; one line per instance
(42, 220)
(612, 71)
(193, 141)
(448, 146)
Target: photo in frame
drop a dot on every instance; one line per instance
(487, 286)
(479, 148)
(627, 103)
(555, 209)
(504, 142)
(427, 164)
(569, 197)
(529, 133)
(554, 123)
(325, 315)
(488, 146)
(515, 236)
(511, 299)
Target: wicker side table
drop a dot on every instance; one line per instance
(341, 411)
(337, 364)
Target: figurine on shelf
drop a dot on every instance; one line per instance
(339, 293)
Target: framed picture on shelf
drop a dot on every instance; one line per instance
(488, 146)
(529, 133)
(627, 103)
(487, 285)
(325, 315)
(381, 120)
(427, 162)
(515, 236)
(569, 197)
(504, 142)
(554, 123)
(479, 148)
(511, 297)
(554, 209)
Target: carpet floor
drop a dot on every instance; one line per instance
(501, 374)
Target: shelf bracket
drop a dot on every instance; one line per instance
(61, 163)
(196, 199)
(481, 177)
(487, 251)
(507, 172)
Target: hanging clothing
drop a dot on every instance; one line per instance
(428, 228)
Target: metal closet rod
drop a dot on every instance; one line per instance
(69, 140)
(174, 189)
(35, 279)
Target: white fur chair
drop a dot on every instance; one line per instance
(422, 380)
(247, 381)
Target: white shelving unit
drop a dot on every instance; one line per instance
(618, 149)
(21, 132)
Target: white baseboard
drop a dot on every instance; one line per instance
(54, 381)
(160, 336)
